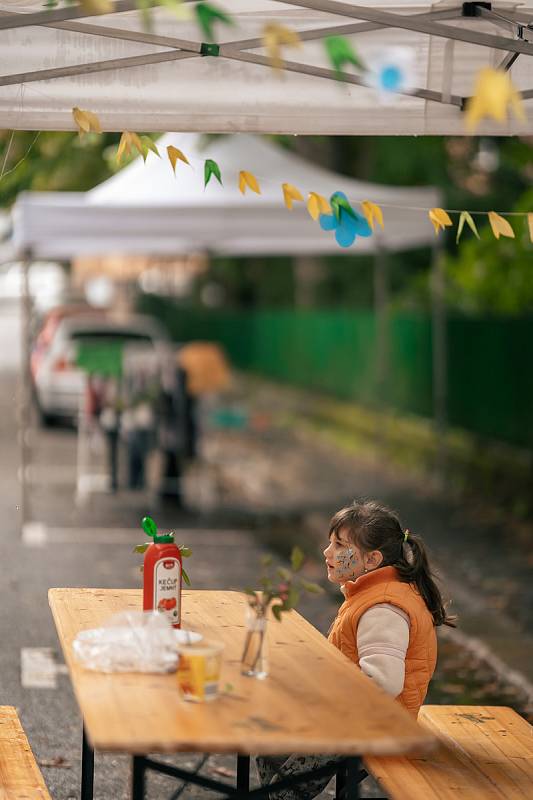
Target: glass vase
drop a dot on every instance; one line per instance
(254, 660)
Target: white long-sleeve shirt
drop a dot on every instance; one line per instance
(382, 642)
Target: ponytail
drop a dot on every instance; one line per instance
(374, 527)
(413, 567)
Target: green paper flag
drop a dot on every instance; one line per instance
(466, 217)
(339, 204)
(211, 168)
(207, 15)
(341, 52)
(148, 145)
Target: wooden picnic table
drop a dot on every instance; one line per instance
(314, 700)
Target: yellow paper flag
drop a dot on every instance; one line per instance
(175, 155)
(440, 219)
(86, 121)
(274, 36)
(316, 205)
(128, 142)
(373, 213)
(494, 95)
(530, 225)
(500, 226)
(97, 6)
(290, 194)
(466, 217)
(246, 179)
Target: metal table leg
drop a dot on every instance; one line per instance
(87, 768)
(138, 778)
(353, 777)
(243, 773)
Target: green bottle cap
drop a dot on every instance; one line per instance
(150, 528)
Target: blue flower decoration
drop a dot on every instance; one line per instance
(346, 226)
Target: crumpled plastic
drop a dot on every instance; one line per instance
(132, 641)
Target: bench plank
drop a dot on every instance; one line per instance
(20, 777)
(486, 753)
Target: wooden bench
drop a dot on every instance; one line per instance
(20, 777)
(486, 753)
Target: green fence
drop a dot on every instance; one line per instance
(490, 380)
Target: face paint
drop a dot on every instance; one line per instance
(342, 560)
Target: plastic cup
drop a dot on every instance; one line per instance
(199, 670)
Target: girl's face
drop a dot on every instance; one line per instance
(344, 561)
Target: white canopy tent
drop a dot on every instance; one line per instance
(144, 209)
(169, 79)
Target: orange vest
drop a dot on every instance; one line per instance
(383, 585)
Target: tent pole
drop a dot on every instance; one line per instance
(439, 357)
(25, 392)
(381, 311)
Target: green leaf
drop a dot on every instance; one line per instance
(211, 168)
(277, 610)
(339, 204)
(293, 598)
(340, 52)
(206, 16)
(312, 588)
(251, 592)
(466, 217)
(149, 526)
(185, 577)
(148, 145)
(297, 558)
(284, 573)
(185, 551)
(141, 548)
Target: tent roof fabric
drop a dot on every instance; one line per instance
(159, 80)
(144, 209)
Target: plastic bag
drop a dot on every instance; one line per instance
(132, 641)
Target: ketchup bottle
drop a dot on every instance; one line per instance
(162, 574)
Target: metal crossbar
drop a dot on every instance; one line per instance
(373, 19)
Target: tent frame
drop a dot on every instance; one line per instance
(520, 43)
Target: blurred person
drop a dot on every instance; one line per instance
(109, 419)
(138, 426)
(386, 624)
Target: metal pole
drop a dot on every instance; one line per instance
(381, 311)
(439, 356)
(243, 773)
(87, 769)
(25, 392)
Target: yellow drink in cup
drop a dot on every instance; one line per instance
(199, 670)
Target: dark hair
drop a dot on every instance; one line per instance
(371, 526)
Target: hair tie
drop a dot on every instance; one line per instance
(406, 534)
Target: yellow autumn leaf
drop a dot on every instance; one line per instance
(128, 141)
(86, 121)
(439, 219)
(530, 225)
(317, 204)
(290, 194)
(246, 179)
(175, 155)
(373, 213)
(274, 37)
(494, 94)
(500, 226)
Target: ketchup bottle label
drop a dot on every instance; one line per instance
(167, 582)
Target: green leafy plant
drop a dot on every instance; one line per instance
(281, 587)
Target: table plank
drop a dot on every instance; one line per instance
(314, 700)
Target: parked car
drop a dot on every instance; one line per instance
(59, 383)
(47, 327)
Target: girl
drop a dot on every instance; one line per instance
(386, 624)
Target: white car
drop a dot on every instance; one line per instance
(59, 383)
